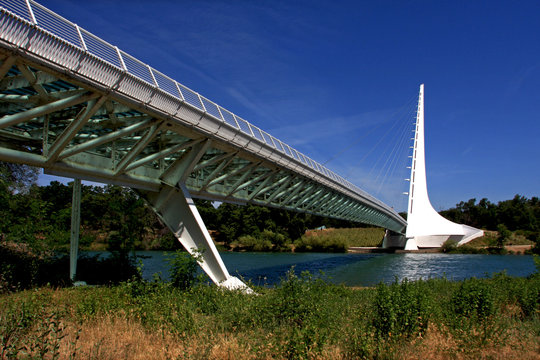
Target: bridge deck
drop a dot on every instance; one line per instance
(80, 107)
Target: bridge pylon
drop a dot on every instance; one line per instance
(425, 227)
(176, 208)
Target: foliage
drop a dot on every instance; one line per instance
(339, 240)
(473, 300)
(321, 244)
(504, 235)
(183, 268)
(450, 247)
(23, 268)
(251, 243)
(301, 318)
(41, 218)
(117, 219)
(401, 309)
(519, 213)
(261, 222)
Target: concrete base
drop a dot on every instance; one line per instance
(234, 283)
(411, 244)
(393, 241)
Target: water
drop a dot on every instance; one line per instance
(357, 269)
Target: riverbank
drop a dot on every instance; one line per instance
(302, 317)
(508, 249)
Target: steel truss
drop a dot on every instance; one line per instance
(76, 115)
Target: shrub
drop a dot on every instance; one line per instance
(183, 268)
(401, 309)
(321, 244)
(473, 300)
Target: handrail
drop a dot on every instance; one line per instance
(64, 29)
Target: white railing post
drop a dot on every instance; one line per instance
(202, 103)
(121, 59)
(220, 113)
(31, 12)
(83, 43)
(179, 91)
(236, 121)
(153, 77)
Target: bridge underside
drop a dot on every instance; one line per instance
(70, 130)
(73, 114)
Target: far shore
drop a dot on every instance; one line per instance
(512, 250)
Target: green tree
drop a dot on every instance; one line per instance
(504, 236)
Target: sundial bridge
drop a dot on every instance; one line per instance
(79, 107)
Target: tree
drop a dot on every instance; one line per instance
(504, 236)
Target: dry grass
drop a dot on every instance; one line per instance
(115, 337)
(112, 337)
(441, 344)
(145, 321)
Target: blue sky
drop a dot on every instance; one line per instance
(341, 78)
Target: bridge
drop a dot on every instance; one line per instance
(79, 107)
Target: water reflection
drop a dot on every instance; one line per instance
(388, 268)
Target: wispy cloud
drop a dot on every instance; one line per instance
(331, 128)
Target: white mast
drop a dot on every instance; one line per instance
(426, 228)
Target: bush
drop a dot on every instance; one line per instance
(22, 268)
(113, 269)
(251, 243)
(321, 244)
(402, 309)
(266, 241)
(183, 268)
(473, 300)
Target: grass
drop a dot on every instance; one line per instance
(339, 240)
(301, 318)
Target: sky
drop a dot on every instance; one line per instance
(339, 81)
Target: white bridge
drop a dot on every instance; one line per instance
(80, 107)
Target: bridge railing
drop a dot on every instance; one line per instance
(64, 29)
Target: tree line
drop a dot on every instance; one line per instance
(116, 218)
(519, 214)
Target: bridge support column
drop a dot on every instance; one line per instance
(411, 244)
(177, 209)
(393, 240)
(75, 227)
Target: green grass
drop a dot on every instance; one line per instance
(301, 318)
(339, 240)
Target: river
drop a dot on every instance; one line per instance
(356, 269)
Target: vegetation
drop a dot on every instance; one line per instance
(519, 215)
(22, 268)
(301, 318)
(339, 240)
(117, 219)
